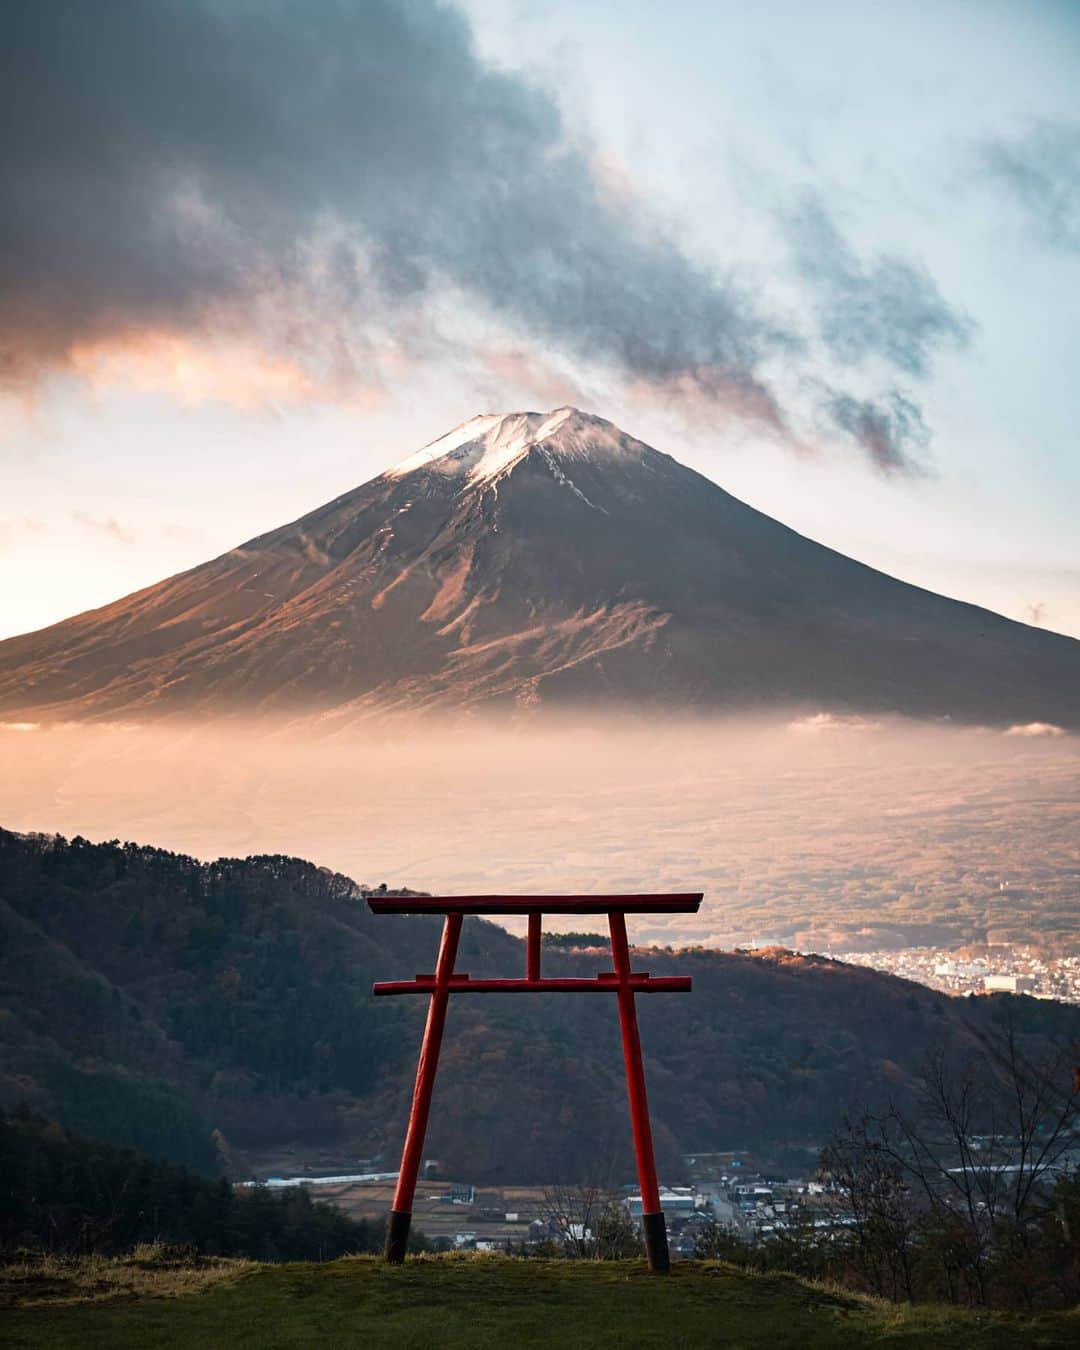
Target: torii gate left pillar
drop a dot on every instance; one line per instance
(622, 981)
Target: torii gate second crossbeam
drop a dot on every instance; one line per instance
(621, 981)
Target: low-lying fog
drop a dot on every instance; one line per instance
(820, 832)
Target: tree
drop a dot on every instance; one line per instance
(965, 1199)
(862, 1161)
(589, 1222)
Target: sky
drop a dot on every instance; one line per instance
(251, 254)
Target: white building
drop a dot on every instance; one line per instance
(1008, 984)
(675, 1201)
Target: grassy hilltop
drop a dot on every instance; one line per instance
(467, 1302)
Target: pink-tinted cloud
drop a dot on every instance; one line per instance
(108, 526)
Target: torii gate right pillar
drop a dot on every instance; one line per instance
(653, 1224)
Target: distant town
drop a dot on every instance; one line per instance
(996, 969)
(749, 1196)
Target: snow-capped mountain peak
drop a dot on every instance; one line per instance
(485, 447)
(528, 560)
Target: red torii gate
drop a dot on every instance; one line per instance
(622, 981)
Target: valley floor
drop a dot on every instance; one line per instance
(486, 1301)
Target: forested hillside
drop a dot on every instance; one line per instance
(204, 1012)
(62, 1193)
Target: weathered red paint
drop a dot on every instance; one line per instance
(622, 981)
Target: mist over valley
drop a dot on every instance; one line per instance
(814, 831)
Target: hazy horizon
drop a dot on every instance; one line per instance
(820, 831)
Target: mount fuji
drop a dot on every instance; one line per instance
(529, 561)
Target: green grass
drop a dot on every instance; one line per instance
(450, 1302)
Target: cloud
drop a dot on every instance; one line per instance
(1035, 729)
(107, 525)
(512, 369)
(270, 201)
(885, 311)
(891, 432)
(822, 722)
(194, 165)
(1041, 171)
(233, 372)
(888, 308)
(23, 524)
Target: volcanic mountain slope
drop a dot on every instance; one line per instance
(538, 559)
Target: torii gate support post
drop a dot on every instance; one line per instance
(622, 981)
(652, 1216)
(397, 1228)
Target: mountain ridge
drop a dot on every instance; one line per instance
(153, 998)
(533, 560)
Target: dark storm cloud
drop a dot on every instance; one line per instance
(1041, 170)
(164, 158)
(322, 174)
(891, 431)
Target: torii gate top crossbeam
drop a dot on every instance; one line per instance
(614, 906)
(687, 903)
